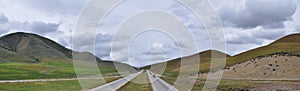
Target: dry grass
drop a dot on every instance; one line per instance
(269, 68)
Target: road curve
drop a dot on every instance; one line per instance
(158, 84)
(113, 86)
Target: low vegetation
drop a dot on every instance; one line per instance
(140, 83)
(46, 69)
(72, 85)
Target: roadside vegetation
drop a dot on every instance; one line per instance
(71, 85)
(46, 69)
(140, 83)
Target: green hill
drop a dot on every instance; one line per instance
(34, 46)
(10, 56)
(30, 56)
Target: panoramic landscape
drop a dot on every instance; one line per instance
(97, 45)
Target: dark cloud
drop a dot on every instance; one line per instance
(253, 36)
(3, 18)
(269, 34)
(297, 28)
(62, 38)
(254, 13)
(43, 28)
(38, 27)
(3, 21)
(35, 27)
(103, 45)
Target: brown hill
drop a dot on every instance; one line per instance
(173, 66)
(286, 46)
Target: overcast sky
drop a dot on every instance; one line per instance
(247, 24)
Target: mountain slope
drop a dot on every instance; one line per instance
(34, 46)
(272, 67)
(9, 56)
(288, 45)
(30, 56)
(173, 66)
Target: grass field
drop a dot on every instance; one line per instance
(140, 83)
(47, 68)
(72, 85)
(230, 85)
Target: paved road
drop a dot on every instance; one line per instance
(158, 84)
(113, 86)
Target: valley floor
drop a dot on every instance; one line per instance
(225, 85)
(273, 71)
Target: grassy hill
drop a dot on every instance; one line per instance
(276, 61)
(34, 46)
(10, 56)
(288, 45)
(173, 66)
(30, 56)
(26, 55)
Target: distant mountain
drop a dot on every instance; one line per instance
(205, 58)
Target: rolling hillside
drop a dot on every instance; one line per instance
(10, 56)
(173, 66)
(286, 46)
(30, 56)
(34, 46)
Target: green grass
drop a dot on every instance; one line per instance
(46, 69)
(72, 85)
(140, 83)
(17, 71)
(42, 86)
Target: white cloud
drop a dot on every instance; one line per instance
(38, 27)
(248, 24)
(254, 13)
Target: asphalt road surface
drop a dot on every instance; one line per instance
(158, 84)
(113, 86)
